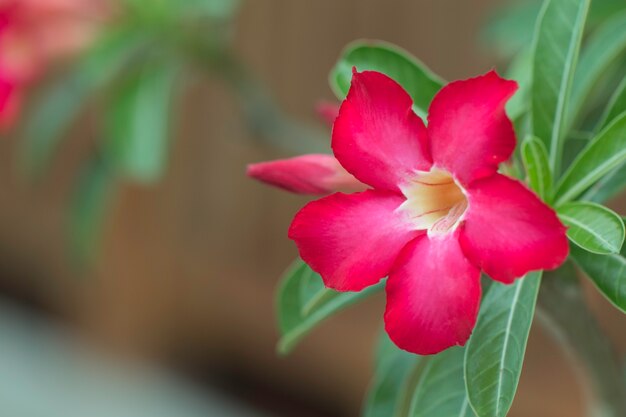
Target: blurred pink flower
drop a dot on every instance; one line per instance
(36, 33)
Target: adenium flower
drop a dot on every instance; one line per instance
(35, 32)
(315, 174)
(437, 212)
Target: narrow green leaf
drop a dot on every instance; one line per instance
(535, 157)
(386, 350)
(419, 81)
(389, 389)
(58, 106)
(593, 227)
(607, 151)
(616, 106)
(138, 123)
(608, 273)
(608, 187)
(556, 45)
(603, 49)
(220, 9)
(495, 352)
(615, 181)
(88, 208)
(294, 321)
(520, 70)
(510, 28)
(440, 391)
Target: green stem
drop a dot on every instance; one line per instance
(563, 310)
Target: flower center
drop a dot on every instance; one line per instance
(434, 201)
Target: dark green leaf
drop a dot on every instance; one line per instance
(215, 8)
(593, 227)
(510, 29)
(616, 106)
(389, 390)
(615, 181)
(88, 209)
(294, 320)
(606, 152)
(603, 49)
(495, 352)
(608, 187)
(520, 70)
(535, 158)
(440, 391)
(608, 273)
(138, 124)
(557, 42)
(419, 81)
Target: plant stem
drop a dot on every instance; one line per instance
(563, 310)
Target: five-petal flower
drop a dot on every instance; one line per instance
(437, 211)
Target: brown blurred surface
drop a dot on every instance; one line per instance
(188, 268)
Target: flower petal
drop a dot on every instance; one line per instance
(377, 137)
(433, 295)
(10, 103)
(509, 231)
(352, 240)
(315, 174)
(469, 131)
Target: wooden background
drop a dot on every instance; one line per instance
(188, 268)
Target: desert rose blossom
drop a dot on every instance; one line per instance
(314, 174)
(34, 33)
(438, 212)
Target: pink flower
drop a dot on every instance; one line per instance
(315, 174)
(34, 33)
(438, 212)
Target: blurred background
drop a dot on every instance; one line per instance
(155, 297)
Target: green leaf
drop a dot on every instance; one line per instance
(440, 391)
(88, 208)
(294, 321)
(520, 70)
(608, 273)
(419, 81)
(607, 151)
(603, 49)
(615, 181)
(608, 187)
(386, 350)
(495, 352)
(556, 45)
(510, 28)
(593, 227)
(389, 389)
(220, 9)
(138, 123)
(616, 106)
(60, 104)
(535, 158)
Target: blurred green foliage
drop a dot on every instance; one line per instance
(132, 74)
